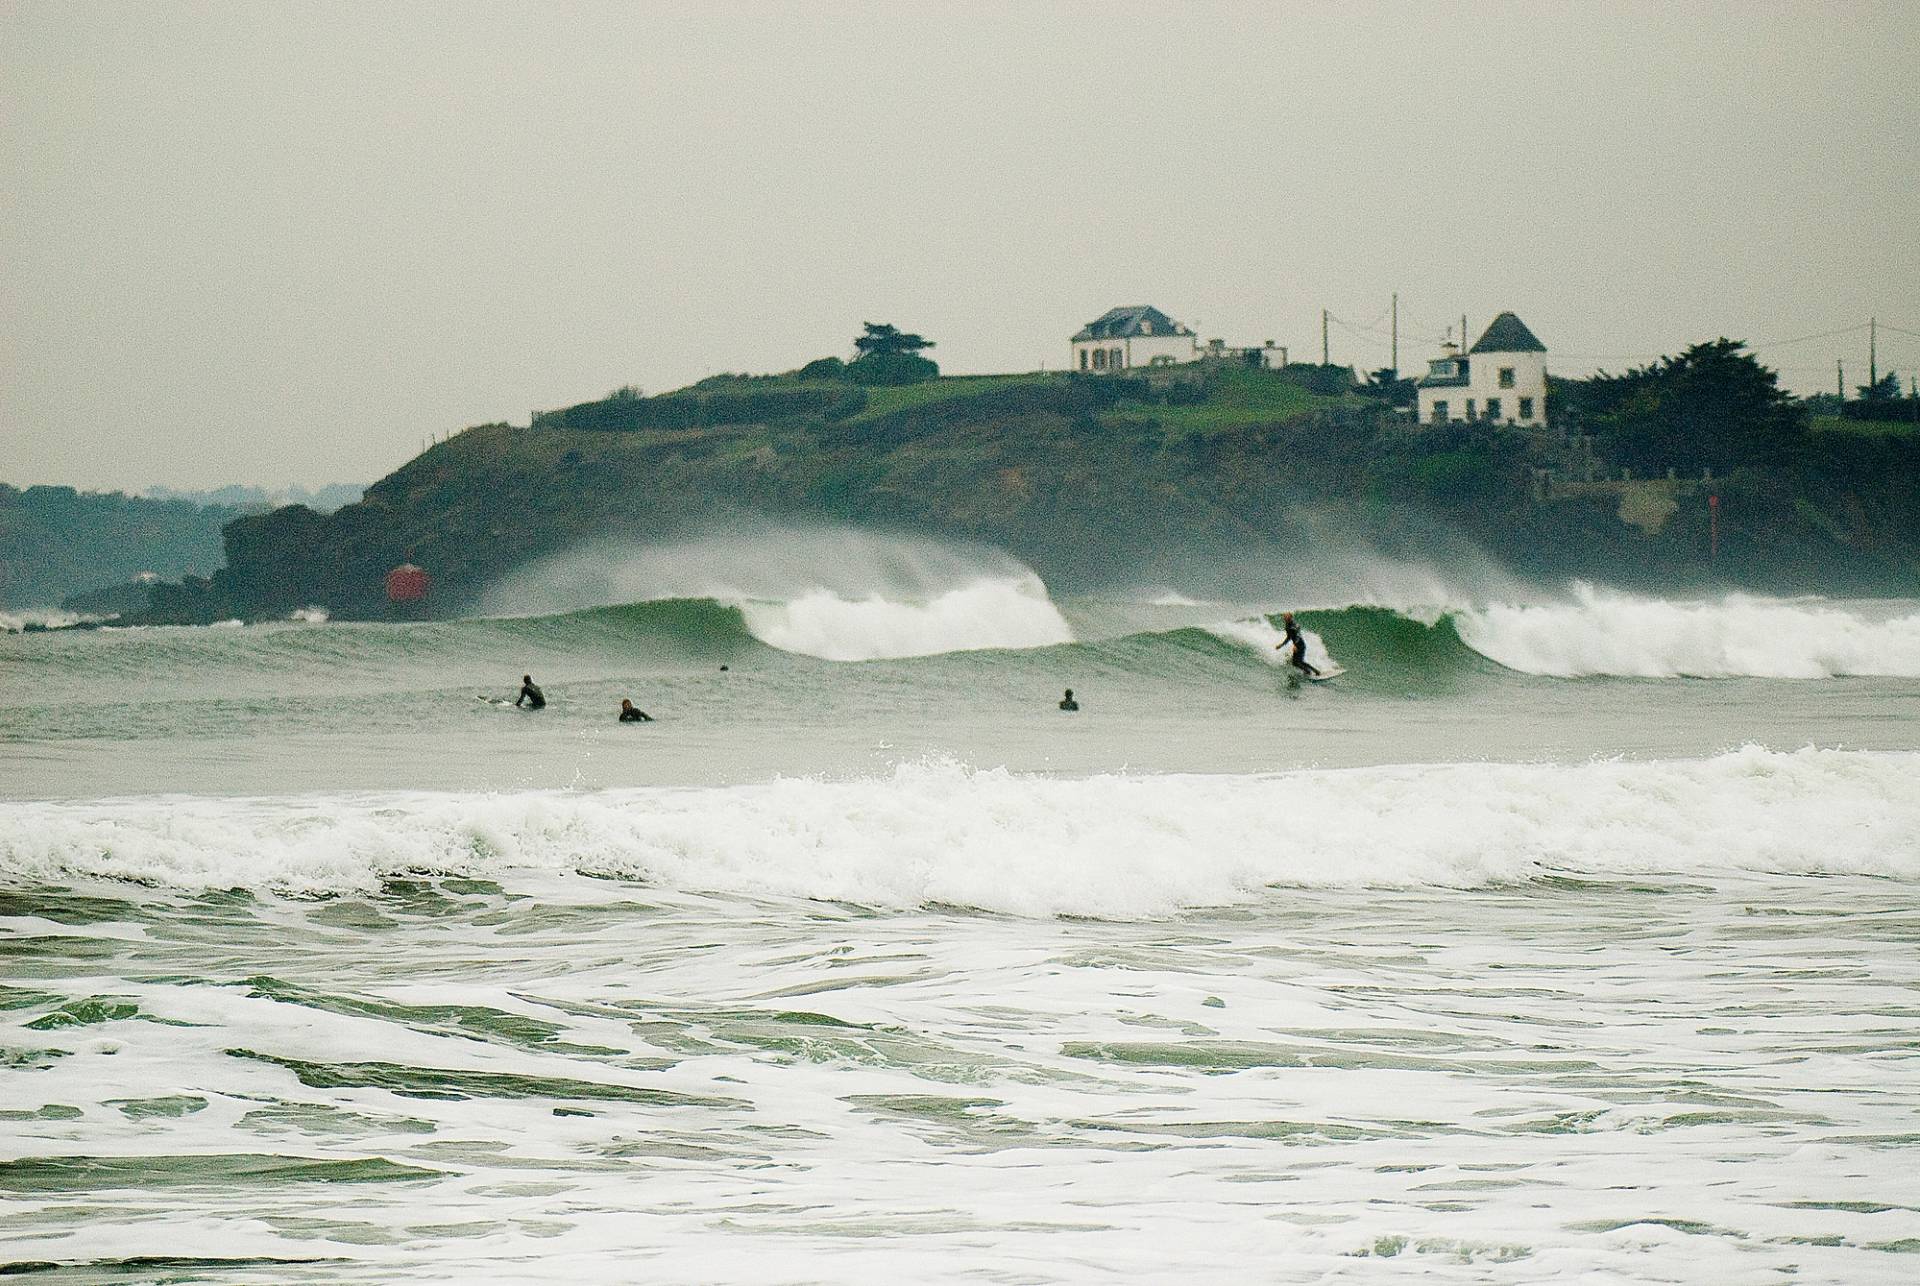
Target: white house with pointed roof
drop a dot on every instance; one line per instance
(1502, 379)
(1137, 336)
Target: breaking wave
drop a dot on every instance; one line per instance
(1591, 633)
(1599, 633)
(1264, 638)
(1114, 846)
(23, 622)
(1011, 613)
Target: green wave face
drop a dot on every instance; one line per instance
(1382, 651)
(691, 626)
(1381, 647)
(1377, 645)
(290, 659)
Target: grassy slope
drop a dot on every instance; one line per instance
(1237, 397)
(1864, 428)
(887, 400)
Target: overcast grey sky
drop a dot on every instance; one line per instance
(275, 242)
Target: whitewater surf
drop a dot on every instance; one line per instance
(1568, 935)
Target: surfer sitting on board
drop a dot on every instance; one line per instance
(1298, 642)
(629, 713)
(530, 694)
(1068, 703)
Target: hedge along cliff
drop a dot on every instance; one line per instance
(1191, 479)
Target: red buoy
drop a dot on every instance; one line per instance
(407, 584)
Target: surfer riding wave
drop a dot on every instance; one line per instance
(1298, 642)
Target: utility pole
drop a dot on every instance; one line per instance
(1873, 354)
(1323, 338)
(1396, 334)
(1840, 380)
(1463, 334)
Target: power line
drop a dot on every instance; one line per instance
(1782, 343)
(1375, 331)
(1365, 336)
(1607, 357)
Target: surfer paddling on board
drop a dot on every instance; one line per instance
(631, 713)
(530, 694)
(1298, 642)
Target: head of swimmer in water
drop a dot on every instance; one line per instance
(626, 703)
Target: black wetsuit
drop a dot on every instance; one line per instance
(635, 715)
(531, 697)
(1069, 704)
(1299, 658)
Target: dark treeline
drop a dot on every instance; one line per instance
(56, 542)
(1711, 407)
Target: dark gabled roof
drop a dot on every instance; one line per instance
(1508, 334)
(1125, 323)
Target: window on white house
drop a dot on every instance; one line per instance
(1083, 359)
(1493, 408)
(1099, 359)
(1439, 412)
(1526, 408)
(1115, 360)
(1506, 377)
(1469, 408)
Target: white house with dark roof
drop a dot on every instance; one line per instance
(1137, 336)
(1502, 379)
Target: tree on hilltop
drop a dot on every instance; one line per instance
(1390, 386)
(884, 339)
(1712, 407)
(1885, 389)
(889, 355)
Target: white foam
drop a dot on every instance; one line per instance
(1114, 846)
(15, 622)
(1012, 612)
(310, 615)
(762, 563)
(1603, 633)
(1260, 635)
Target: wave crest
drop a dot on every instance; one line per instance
(1009, 613)
(1112, 846)
(1614, 634)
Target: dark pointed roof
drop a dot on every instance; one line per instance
(1123, 323)
(1508, 334)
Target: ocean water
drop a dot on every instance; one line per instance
(1565, 936)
